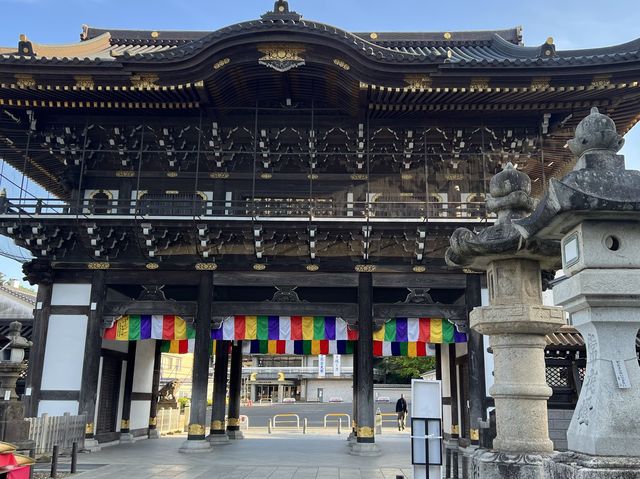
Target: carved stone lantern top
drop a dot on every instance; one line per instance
(599, 187)
(13, 352)
(510, 199)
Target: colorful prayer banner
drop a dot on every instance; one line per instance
(284, 328)
(135, 328)
(306, 335)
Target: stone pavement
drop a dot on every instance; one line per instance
(277, 456)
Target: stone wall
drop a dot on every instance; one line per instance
(559, 420)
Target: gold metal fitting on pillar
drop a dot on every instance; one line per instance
(153, 421)
(232, 421)
(474, 435)
(217, 425)
(196, 430)
(124, 424)
(365, 431)
(88, 430)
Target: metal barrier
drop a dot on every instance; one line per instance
(285, 419)
(338, 418)
(244, 421)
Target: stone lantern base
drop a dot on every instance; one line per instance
(488, 464)
(571, 465)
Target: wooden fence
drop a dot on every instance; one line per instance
(62, 431)
(172, 421)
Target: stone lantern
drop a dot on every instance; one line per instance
(13, 428)
(595, 212)
(516, 323)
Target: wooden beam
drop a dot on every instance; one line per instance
(343, 310)
(184, 309)
(428, 280)
(446, 311)
(265, 278)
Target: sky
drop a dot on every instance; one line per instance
(572, 24)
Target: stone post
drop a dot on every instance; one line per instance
(217, 434)
(517, 323)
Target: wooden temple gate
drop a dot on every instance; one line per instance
(232, 167)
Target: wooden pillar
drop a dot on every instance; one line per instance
(36, 354)
(219, 399)
(354, 412)
(235, 384)
(200, 377)
(438, 362)
(365, 441)
(125, 431)
(477, 389)
(453, 381)
(92, 348)
(155, 387)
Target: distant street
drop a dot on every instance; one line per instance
(314, 412)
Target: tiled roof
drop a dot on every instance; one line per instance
(569, 337)
(498, 48)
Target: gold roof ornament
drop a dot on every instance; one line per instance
(365, 268)
(447, 35)
(418, 82)
(540, 83)
(145, 80)
(342, 64)
(282, 57)
(479, 84)
(84, 82)
(25, 81)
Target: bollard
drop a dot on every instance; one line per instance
(339, 425)
(269, 426)
(304, 426)
(74, 457)
(54, 462)
(32, 454)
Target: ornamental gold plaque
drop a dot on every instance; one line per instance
(153, 421)
(233, 422)
(259, 267)
(98, 266)
(282, 57)
(124, 424)
(88, 430)
(152, 265)
(365, 268)
(474, 435)
(312, 267)
(419, 269)
(206, 266)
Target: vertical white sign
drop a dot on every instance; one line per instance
(337, 365)
(322, 366)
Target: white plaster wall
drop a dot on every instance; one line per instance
(139, 414)
(123, 373)
(64, 294)
(488, 357)
(64, 353)
(446, 389)
(98, 392)
(393, 392)
(332, 387)
(143, 372)
(58, 408)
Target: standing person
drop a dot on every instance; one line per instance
(401, 409)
